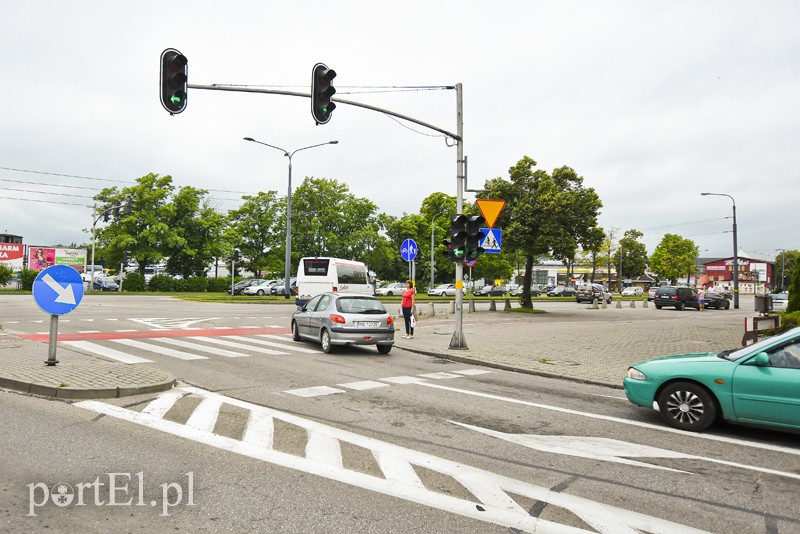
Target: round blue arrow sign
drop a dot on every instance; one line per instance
(408, 250)
(58, 289)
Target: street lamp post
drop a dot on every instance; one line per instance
(100, 215)
(288, 259)
(783, 266)
(735, 250)
(432, 231)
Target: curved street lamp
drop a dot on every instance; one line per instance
(735, 250)
(288, 258)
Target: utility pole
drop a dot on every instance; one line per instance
(458, 341)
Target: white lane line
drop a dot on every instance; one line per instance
(126, 330)
(241, 346)
(106, 352)
(260, 429)
(363, 385)
(323, 448)
(610, 397)
(291, 347)
(162, 404)
(196, 346)
(159, 349)
(88, 331)
(279, 337)
(403, 380)
(316, 391)
(723, 439)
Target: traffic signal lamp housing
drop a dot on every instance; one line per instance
(322, 93)
(174, 80)
(474, 235)
(457, 238)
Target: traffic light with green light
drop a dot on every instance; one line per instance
(174, 80)
(322, 93)
(457, 238)
(474, 237)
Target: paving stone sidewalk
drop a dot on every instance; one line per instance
(76, 376)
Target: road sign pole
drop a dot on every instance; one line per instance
(458, 341)
(51, 350)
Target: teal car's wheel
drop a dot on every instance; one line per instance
(295, 332)
(687, 406)
(325, 340)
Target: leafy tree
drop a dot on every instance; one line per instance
(794, 293)
(328, 220)
(674, 257)
(631, 258)
(5, 275)
(145, 232)
(593, 247)
(258, 231)
(544, 214)
(785, 264)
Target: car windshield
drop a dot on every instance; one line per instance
(736, 354)
(780, 296)
(443, 286)
(359, 305)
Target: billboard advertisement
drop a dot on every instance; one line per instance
(12, 255)
(40, 258)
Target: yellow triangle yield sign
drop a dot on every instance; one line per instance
(490, 209)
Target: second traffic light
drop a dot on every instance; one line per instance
(174, 80)
(474, 237)
(322, 93)
(457, 238)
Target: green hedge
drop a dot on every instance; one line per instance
(133, 282)
(219, 285)
(26, 277)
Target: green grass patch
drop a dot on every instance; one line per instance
(526, 310)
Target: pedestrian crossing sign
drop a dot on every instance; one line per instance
(493, 240)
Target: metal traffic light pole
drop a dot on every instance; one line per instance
(458, 341)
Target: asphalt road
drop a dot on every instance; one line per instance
(363, 442)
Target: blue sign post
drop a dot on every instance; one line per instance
(408, 251)
(57, 290)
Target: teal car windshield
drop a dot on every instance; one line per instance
(733, 355)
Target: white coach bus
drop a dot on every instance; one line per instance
(319, 275)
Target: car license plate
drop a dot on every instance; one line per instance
(368, 324)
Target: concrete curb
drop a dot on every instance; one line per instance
(46, 390)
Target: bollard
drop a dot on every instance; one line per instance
(492, 306)
(604, 305)
(471, 305)
(645, 304)
(433, 311)
(507, 305)
(619, 304)
(594, 305)
(452, 307)
(633, 304)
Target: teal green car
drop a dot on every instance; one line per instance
(756, 385)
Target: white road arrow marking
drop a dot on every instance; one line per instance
(611, 450)
(65, 294)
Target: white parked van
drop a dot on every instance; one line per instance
(319, 275)
(86, 275)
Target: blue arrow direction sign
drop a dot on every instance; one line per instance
(408, 250)
(492, 243)
(58, 289)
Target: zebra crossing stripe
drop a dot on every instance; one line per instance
(158, 349)
(292, 348)
(197, 346)
(235, 345)
(106, 352)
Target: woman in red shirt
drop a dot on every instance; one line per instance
(407, 304)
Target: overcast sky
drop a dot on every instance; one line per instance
(652, 102)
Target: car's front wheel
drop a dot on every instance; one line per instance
(687, 406)
(325, 340)
(260, 292)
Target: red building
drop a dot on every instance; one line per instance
(756, 273)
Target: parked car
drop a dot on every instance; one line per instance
(568, 291)
(334, 319)
(279, 287)
(754, 385)
(651, 293)
(105, 283)
(780, 301)
(676, 297)
(395, 288)
(490, 291)
(716, 301)
(259, 287)
(588, 293)
(443, 290)
(555, 291)
(241, 284)
(632, 291)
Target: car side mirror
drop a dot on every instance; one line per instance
(301, 308)
(761, 360)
